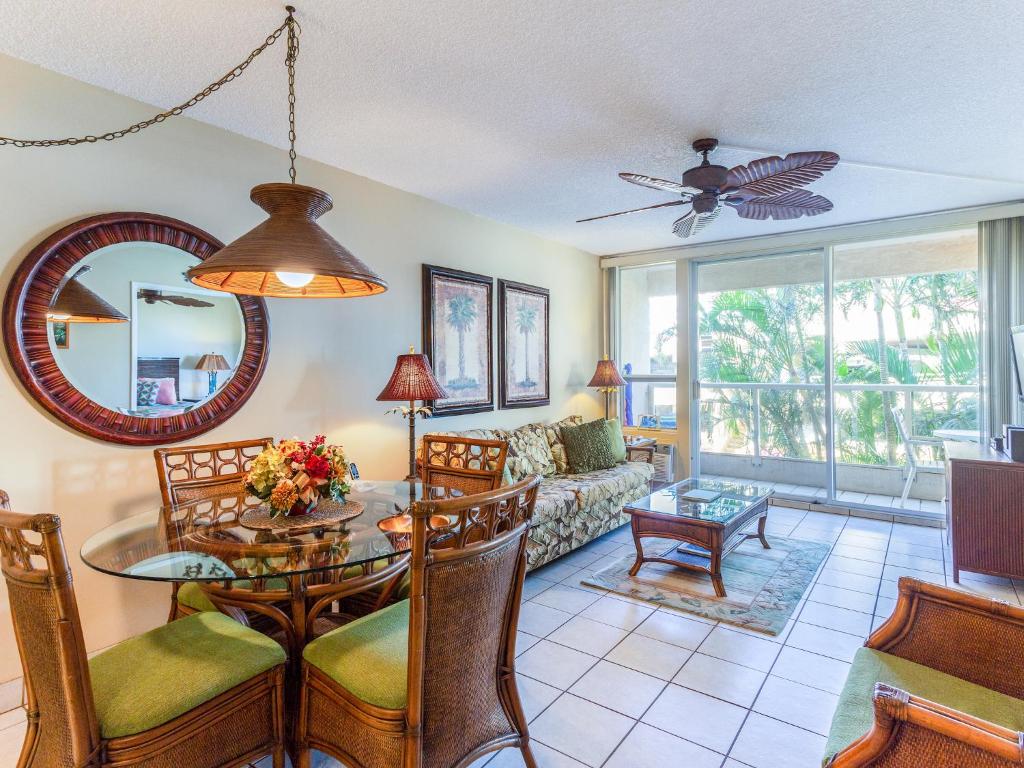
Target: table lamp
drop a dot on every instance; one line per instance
(212, 363)
(606, 379)
(412, 380)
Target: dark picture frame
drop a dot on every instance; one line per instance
(458, 336)
(524, 302)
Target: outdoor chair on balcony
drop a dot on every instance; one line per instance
(909, 444)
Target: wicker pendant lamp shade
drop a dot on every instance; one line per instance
(75, 303)
(289, 246)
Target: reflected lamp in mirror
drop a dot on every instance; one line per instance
(606, 379)
(74, 303)
(212, 363)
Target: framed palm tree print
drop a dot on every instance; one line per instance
(523, 329)
(457, 336)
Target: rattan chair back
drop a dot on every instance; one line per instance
(196, 472)
(62, 725)
(467, 581)
(465, 464)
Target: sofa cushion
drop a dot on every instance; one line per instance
(617, 440)
(594, 487)
(588, 447)
(855, 714)
(378, 643)
(557, 500)
(553, 432)
(528, 452)
(151, 679)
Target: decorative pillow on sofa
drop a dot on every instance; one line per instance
(145, 391)
(588, 447)
(528, 452)
(618, 441)
(553, 432)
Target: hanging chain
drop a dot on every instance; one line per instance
(292, 28)
(291, 56)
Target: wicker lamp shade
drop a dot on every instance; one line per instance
(412, 379)
(289, 255)
(212, 362)
(606, 376)
(75, 303)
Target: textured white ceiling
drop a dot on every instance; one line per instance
(524, 110)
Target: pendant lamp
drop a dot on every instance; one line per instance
(74, 303)
(289, 255)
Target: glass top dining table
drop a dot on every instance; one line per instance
(205, 541)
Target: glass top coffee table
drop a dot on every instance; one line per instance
(709, 530)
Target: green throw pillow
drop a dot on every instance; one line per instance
(588, 447)
(618, 442)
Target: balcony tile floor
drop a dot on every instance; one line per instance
(609, 682)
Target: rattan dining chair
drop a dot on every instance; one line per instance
(202, 692)
(430, 682)
(465, 464)
(194, 473)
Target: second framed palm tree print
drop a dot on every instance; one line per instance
(457, 338)
(523, 355)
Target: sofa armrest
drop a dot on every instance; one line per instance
(911, 731)
(644, 454)
(973, 638)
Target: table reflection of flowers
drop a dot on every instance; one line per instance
(293, 475)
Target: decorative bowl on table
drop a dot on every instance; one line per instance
(302, 485)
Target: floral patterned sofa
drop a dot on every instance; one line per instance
(571, 509)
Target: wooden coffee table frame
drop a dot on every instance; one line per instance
(717, 538)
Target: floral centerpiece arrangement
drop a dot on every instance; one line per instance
(293, 476)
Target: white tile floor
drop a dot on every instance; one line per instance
(609, 682)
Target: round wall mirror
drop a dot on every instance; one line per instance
(105, 331)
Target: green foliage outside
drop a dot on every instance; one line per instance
(776, 335)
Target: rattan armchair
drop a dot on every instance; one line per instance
(465, 464)
(976, 640)
(430, 682)
(196, 472)
(80, 712)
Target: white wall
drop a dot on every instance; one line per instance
(328, 358)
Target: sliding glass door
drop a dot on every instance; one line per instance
(836, 374)
(761, 364)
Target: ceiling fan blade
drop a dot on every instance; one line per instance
(654, 183)
(693, 222)
(791, 205)
(635, 210)
(776, 175)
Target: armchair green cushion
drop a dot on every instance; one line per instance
(369, 657)
(191, 594)
(157, 676)
(855, 714)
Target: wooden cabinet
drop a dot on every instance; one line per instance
(985, 510)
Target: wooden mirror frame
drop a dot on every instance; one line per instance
(26, 336)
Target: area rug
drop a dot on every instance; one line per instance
(763, 586)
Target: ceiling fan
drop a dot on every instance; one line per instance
(766, 188)
(152, 296)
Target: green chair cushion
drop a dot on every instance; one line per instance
(191, 594)
(157, 676)
(369, 657)
(855, 713)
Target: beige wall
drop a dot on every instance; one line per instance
(328, 359)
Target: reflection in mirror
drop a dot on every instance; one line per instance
(181, 343)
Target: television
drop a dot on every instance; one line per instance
(1017, 353)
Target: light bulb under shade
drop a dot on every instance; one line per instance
(295, 279)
